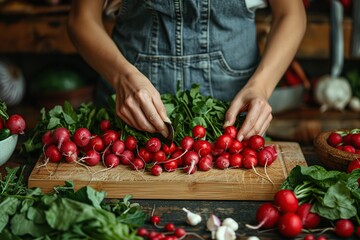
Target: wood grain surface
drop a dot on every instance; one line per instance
(216, 184)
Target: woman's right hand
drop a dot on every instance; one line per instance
(139, 103)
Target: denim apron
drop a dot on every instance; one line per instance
(207, 42)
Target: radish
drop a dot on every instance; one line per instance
(142, 232)
(126, 157)
(105, 125)
(250, 161)
(68, 148)
(344, 228)
(231, 130)
(169, 227)
(309, 219)
(186, 143)
(236, 146)
(265, 157)
(289, 224)
(46, 138)
(272, 149)
(109, 137)
(198, 132)
(159, 156)
(224, 141)
(205, 163)
(156, 170)
(130, 143)
(348, 148)
(170, 166)
(111, 160)
(168, 150)
(179, 232)
(153, 145)
(286, 201)
(118, 147)
(145, 155)
(92, 157)
(202, 147)
(267, 216)
(355, 140)
(248, 151)
(96, 143)
(191, 158)
(334, 139)
(355, 164)
(60, 135)
(137, 164)
(222, 162)
(347, 139)
(236, 160)
(71, 158)
(256, 142)
(190, 169)
(82, 137)
(16, 124)
(52, 153)
(178, 156)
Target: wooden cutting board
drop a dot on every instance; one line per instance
(216, 184)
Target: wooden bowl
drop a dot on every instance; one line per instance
(331, 157)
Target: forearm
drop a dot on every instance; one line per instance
(97, 48)
(287, 30)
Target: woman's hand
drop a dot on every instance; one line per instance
(253, 101)
(139, 104)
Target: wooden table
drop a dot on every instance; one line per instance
(171, 210)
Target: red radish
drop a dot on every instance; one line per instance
(334, 139)
(224, 141)
(205, 163)
(248, 151)
(347, 139)
(144, 154)
(137, 164)
(82, 137)
(109, 137)
(179, 232)
(92, 157)
(52, 153)
(289, 224)
(198, 132)
(142, 232)
(236, 146)
(355, 140)
(225, 155)
(321, 238)
(170, 166)
(186, 143)
(153, 145)
(156, 170)
(16, 124)
(118, 147)
(111, 160)
(250, 161)
(68, 148)
(256, 142)
(344, 228)
(348, 148)
(46, 138)
(191, 158)
(96, 143)
(126, 157)
(105, 125)
(355, 164)
(130, 143)
(60, 135)
(222, 162)
(309, 237)
(71, 158)
(215, 151)
(178, 156)
(159, 156)
(265, 157)
(231, 130)
(236, 160)
(169, 227)
(267, 216)
(272, 149)
(286, 201)
(168, 150)
(202, 147)
(155, 219)
(190, 169)
(309, 219)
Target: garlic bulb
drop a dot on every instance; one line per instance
(333, 93)
(225, 233)
(229, 222)
(12, 84)
(354, 104)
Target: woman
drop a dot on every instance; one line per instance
(158, 43)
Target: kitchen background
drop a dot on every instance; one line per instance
(39, 66)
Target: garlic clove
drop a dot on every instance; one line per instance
(225, 233)
(253, 238)
(212, 224)
(354, 104)
(192, 218)
(231, 223)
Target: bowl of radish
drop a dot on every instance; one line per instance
(337, 148)
(7, 147)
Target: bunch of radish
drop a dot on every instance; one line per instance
(290, 218)
(191, 154)
(348, 141)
